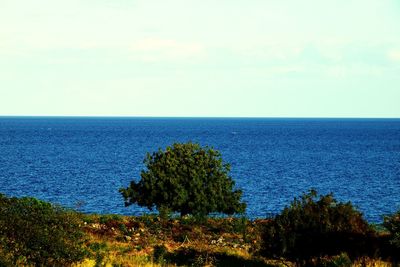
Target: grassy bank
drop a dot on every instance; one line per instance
(149, 241)
(311, 232)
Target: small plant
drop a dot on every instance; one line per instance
(190, 220)
(123, 229)
(104, 219)
(159, 254)
(148, 219)
(240, 226)
(96, 246)
(99, 259)
(165, 213)
(341, 260)
(86, 218)
(99, 250)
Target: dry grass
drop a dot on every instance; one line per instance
(365, 262)
(131, 241)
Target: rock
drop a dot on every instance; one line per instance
(96, 225)
(246, 247)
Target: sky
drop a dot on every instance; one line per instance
(226, 58)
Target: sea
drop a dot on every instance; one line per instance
(81, 162)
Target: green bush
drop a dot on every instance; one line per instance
(37, 233)
(315, 227)
(392, 224)
(341, 260)
(185, 178)
(104, 219)
(159, 253)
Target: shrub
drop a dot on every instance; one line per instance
(37, 233)
(341, 260)
(315, 227)
(185, 178)
(110, 218)
(392, 224)
(159, 253)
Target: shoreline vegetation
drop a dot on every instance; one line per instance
(42, 234)
(186, 183)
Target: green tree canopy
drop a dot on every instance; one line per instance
(185, 178)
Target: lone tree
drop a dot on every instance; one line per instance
(185, 178)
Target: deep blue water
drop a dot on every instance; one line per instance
(81, 162)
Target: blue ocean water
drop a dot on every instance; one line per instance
(82, 162)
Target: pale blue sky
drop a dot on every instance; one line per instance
(262, 58)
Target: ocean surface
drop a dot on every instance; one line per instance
(82, 162)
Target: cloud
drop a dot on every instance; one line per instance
(352, 70)
(165, 49)
(394, 55)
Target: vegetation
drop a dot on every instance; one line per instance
(148, 240)
(313, 227)
(180, 241)
(392, 223)
(185, 178)
(313, 231)
(183, 241)
(37, 233)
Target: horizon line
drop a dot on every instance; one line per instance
(188, 117)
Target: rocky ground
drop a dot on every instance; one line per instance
(134, 241)
(148, 240)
